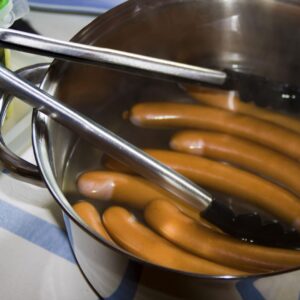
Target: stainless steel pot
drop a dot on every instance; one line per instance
(258, 36)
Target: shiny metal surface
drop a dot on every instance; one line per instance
(239, 34)
(149, 66)
(11, 161)
(107, 141)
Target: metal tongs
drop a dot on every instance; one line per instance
(251, 87)
(99, 136)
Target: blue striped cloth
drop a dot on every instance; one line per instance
(53, 239)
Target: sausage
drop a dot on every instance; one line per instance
(235, 182)
(88, 213)
(136, 238)
(168, 221)
(231, 181)
(200, 117)
(112, 164)
(230, 101)
(240, 152)
(130, 190)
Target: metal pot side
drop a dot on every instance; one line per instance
(250, 35)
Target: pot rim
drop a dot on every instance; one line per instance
(103, 23)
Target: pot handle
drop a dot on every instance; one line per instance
(10, 160)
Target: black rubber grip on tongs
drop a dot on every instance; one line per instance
(264, 92)
(250, 228)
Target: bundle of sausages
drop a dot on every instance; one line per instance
(262, 152)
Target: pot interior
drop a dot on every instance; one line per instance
(256, 36)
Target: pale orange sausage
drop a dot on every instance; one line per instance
(168, 221)
(240, 152)
(134, 237)
(88, 213)
(235, 182)
(130, 190)
(200, 117)
(230, 101)
(123, 188)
